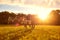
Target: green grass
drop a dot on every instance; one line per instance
(40, 32)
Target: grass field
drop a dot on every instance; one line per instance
(40, 32)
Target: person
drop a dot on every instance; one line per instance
(30, 22)
(24, 22)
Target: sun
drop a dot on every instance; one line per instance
(43, 13)
(42, 16)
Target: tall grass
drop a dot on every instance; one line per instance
(41, 32)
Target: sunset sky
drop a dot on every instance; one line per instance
(29, 6)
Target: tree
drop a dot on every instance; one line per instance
(54, 17)
(4, 17)
(11, 18)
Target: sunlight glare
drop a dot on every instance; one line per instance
(43, 14)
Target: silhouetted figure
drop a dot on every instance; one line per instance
(30, 22)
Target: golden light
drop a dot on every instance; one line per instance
(43, 14)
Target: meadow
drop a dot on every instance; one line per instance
(40, 32)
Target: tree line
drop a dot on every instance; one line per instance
(54, 17)
(12, 18)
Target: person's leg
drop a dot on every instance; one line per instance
(25, 26)
(33, 25)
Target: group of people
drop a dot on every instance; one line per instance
(28, 23)
(25, 21)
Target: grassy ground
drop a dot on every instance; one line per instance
(40, 32)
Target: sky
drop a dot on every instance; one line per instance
(29, 6)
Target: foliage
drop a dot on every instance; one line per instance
(21, 18)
